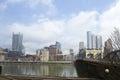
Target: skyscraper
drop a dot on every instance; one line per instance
(94, 46)
(58, 45)
(94, 41)
(99, 42)
(17, 42)
(89, 40)
(81, 45)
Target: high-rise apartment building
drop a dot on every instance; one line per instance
(89, 40)
(93, 41)
(99, 42)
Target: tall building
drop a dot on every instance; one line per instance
(108, 47)
(81, 53)
(99, 42)
(81, 45)
(94, 46)
(55, 51)
(71, 54)
(44, 56)
(71, 51)
(93, 41)
(58, 45)
(89, 40)
(17, 43)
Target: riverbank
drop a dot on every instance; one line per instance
(47, 62)
(18, 77)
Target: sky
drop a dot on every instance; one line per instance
(43, 22)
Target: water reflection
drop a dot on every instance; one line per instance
(61, 70)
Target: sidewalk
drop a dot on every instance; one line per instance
(8, 77)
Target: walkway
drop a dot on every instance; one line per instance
(8, 77)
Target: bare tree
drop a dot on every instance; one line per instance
(115, 38)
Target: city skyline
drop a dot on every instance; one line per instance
(43, 22)
(94, 42)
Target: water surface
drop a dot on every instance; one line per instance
(35, 69)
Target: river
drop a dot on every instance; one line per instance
(34, 69)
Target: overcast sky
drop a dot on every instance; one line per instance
(42, 22)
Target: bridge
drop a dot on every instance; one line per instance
(113, 57)
(107, 69)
